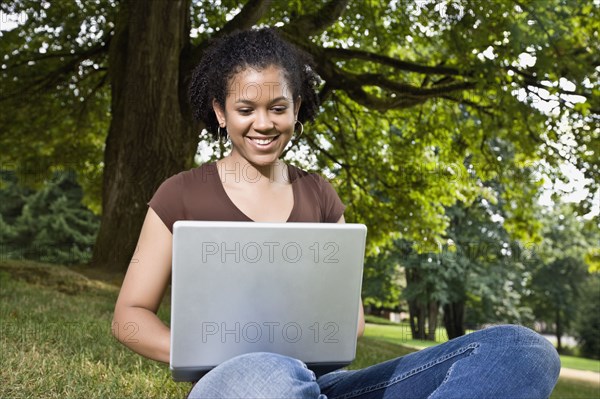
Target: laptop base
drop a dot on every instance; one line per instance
(193, 374)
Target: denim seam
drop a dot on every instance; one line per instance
(412, 372)
(475, 346)
(337, 379)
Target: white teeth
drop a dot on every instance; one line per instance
(263, 141)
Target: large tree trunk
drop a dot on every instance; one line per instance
(416, 312)
(151, 135)
(416, 309)
(421, 312)
(454, 314)
(432, 316)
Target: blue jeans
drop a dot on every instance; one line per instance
(498, 362)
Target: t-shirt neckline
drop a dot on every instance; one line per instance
(238, 210)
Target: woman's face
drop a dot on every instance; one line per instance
(259, 114)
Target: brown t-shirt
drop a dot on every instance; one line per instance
(198, 194)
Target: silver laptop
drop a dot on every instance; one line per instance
(287, 288)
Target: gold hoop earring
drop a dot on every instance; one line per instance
(301, 129)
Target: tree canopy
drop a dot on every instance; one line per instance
(423, 102)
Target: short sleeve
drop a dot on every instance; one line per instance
(167, 201)
(332, 207)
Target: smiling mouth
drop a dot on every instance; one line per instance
(265, 141)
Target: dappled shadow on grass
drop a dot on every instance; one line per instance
(56, 277)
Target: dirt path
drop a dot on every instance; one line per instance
(581, 375)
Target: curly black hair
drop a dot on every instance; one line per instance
(257, 49)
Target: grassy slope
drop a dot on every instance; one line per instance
(55, 342)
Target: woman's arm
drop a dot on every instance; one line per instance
(135, 323)
(361, 311)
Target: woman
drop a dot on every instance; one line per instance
(257, 90)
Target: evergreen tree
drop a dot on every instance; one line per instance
(48, 225)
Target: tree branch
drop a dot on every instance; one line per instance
(312, 24)
(380, 104)
(530, 80)
(250, 14)
(102, 81)
(311, 143)
(482, 108)
(376, 79)
(43, 83)
(56, 76)
(341, 53)
(95, 50)
(403, 95)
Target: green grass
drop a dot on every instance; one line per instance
(400, 334)
(572, 389)
(55, 342)
(580, 363)
(379, 320)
